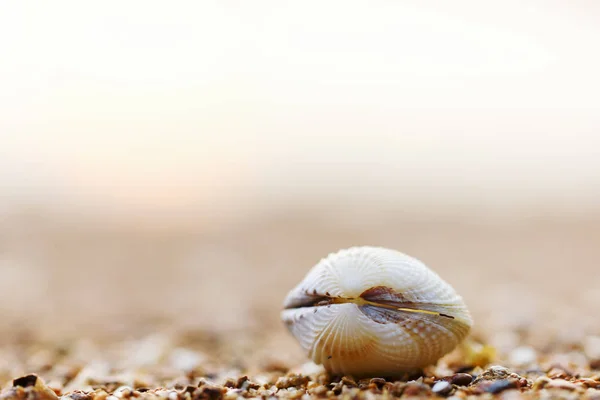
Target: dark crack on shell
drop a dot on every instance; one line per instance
(386, 305)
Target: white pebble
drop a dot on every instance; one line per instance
(441, 387)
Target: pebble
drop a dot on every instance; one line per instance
(590, 383)
(501, 385)
(122, 391)
(285, 382)
(379, 382)
(29, 387)
(559, 373)
(561, 384)
(319, 391)
(441, 387)
(541, 382)
(416, 389)
(397, 389)
(347, 381)
(461, 379)
(493, 373)
(210, 392)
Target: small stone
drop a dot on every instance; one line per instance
(29, 387)
(25, 381)
(590, 383)
(442, 387)
(101, 395)
(336, 388)
(521, 381)
(241, 383)
(285, 382)
(78, 395)
(123, 392)
(559, 373)
(230, 383)
(595, 364)
(561, 384)
(428, 380)
(416, 389)
(492, 374)
(210, 392)
(397, 389)
(293, 393)
(501, 385)
(319, 391)
(232, 394)
(522, 356)
(461, 379)
(379, 382)
(349, 382)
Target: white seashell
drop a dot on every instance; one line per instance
(369, 311)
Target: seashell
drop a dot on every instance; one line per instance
(368, 311)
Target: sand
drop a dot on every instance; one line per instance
(97, 309)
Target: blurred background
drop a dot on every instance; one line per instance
(182, 167)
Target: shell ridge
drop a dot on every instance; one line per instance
(347, 337)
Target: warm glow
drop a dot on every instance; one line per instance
(155, 105)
